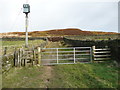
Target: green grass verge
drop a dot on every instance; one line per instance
(25, 77)
(95, 75)
(92, 75)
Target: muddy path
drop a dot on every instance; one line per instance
(48, 69)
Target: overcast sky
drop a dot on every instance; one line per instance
(93, 15)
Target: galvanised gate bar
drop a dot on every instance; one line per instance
(70, 55)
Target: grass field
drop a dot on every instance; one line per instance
(95, 75)
(81, 75)
(11, 45)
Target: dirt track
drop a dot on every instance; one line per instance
(48, 69)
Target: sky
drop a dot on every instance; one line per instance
(89, 15)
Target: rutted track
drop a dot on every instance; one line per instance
(47, 75)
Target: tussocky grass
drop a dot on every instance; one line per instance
(25, 77)
(92, 75)
(81, 75)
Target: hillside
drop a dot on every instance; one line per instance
(56, 32)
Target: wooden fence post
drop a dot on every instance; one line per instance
(93, 50)
(26, 56)
(14, 60)
(15, 57)
(23, 57)
(34, 57)
(39, 55)
(20, 56)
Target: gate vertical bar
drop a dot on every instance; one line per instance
(74, 55)
(91, 56)
(57, 55)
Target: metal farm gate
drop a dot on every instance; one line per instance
(71, 55)
(53, 56)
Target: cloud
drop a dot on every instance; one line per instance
(55, 14)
